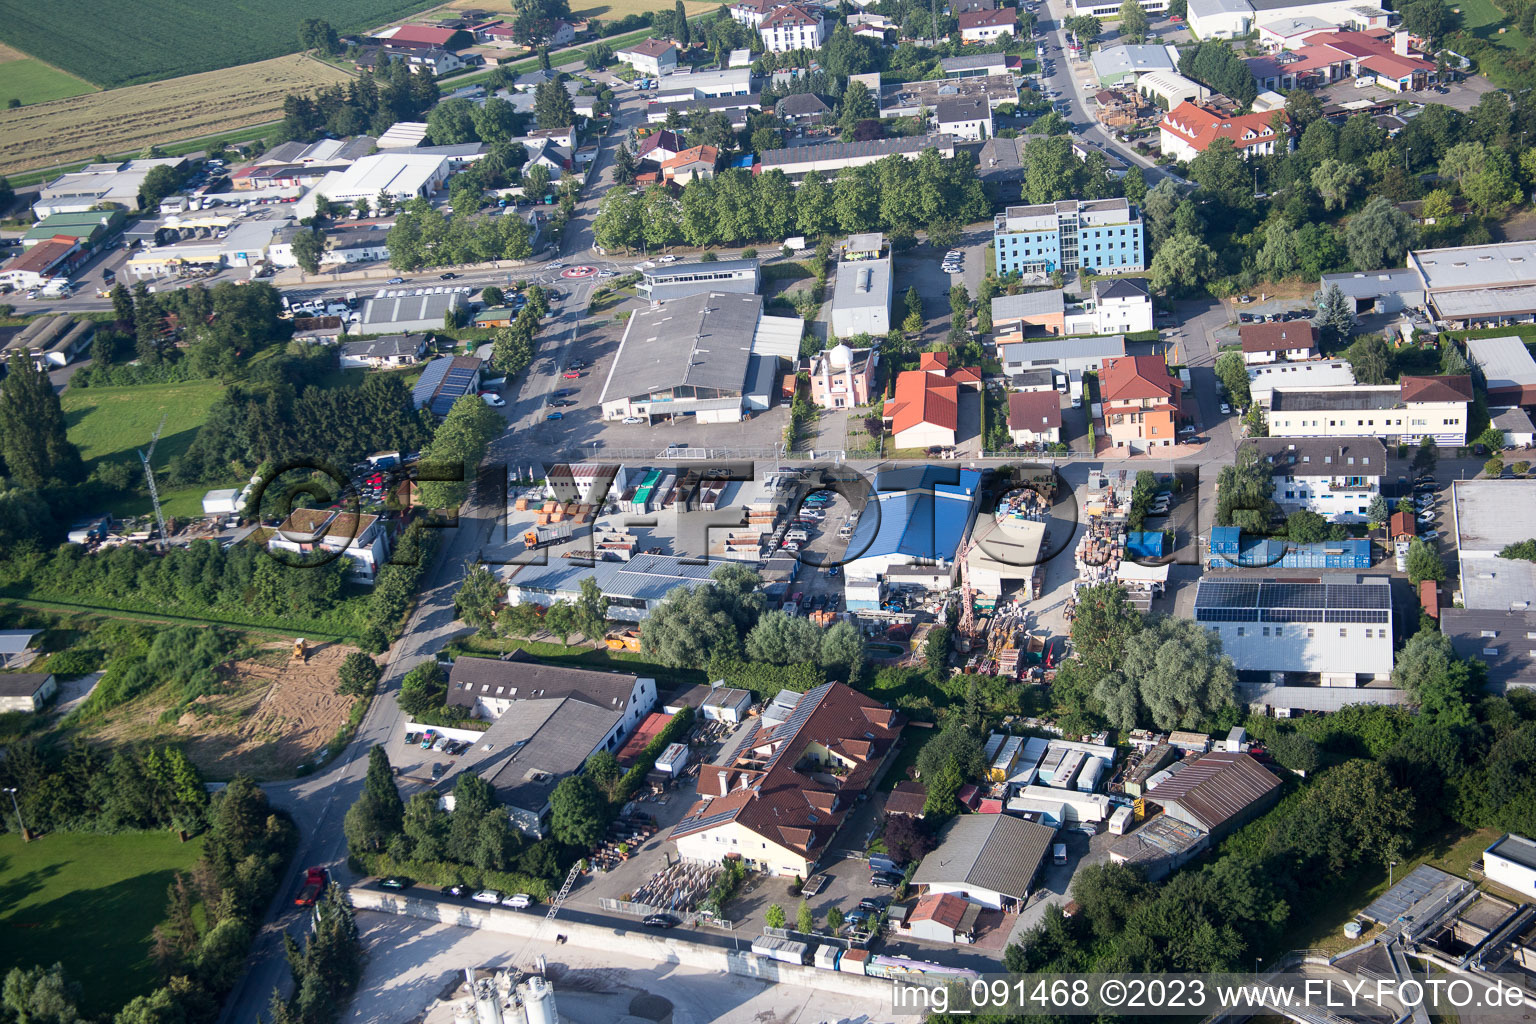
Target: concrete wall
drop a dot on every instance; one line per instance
(635, 942)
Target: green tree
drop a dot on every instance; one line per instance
(1378, 236)
(1103, 622)
(1180, 672)
(40, 995)
(1244, 493)
(1335, 317)
(552, 105)
(317, 34)
(784, 639)
(774, 916)
(33, 442)
(577, 814)
(1380, 512)
(591, 610)
(122, 307)
(835, 919)
(1277, 255)
(159, 183)
(1306, 527)
(358, 675)
(379, 787)
(1370, 359)
(478, 597)
(423, 689)
(936, 651)
(1183, 260)
(1233, 374)
(308, 247)
(842, 649)
(1426, 455)
(623, 166)
(1335, 181)
(805, 918)
(1435, 678)
(496, 121)
(1133, 22)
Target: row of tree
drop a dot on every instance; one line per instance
(423, 236)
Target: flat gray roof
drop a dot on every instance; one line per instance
(700, 340)
(1515, 848)
(1343, 399)
(1511, 635)
(1118, 60)
(669, 270)
(1490, 301)
(1497, 584)
(1505, 362)
(644, 577)
(395, 307)
(1067, 348)
(862, 284)
(1316, 698)
(974, 61)
(1375, 283)
(1500, 265)
(1011, 307)
(1492, 513)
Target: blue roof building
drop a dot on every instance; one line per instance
(918, 517)
(1230, 548)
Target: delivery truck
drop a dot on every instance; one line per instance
(314, 884)
(545, 534)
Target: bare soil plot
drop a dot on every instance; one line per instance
(275, 715)
(78, 128)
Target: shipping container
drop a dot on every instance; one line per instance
(827, 957)
(1088, 778)
(853, 961)
(786, 950)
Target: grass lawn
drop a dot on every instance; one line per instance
(1483, 19)
(90, 902)
(114, 423)
(32, 81)
(666, 678)
(913, 738)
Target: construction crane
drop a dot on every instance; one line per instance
(149, 474)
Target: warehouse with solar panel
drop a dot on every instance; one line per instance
(1334, 633)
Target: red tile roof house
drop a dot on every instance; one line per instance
(1189, 130)
(1141, 402)
(1284, 342)
(1034, 417)
(1329, 56)
(698, 162)
(987, 26)
(43, 262)
(421, 37)
(925, 410)
(784, 790)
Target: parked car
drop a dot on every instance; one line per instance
(555, 416)
(1186, 430)
(571, 374)
(395, 883)
(634, 419)
(458, 890)
(874, 904)
(450, 276)
(1226, 410)
(661, 921)
(493, 400)
(518, 901)
(668, 258)
(396, 280)
(487, 896)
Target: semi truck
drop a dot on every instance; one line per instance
(545, 534)
(315, 880)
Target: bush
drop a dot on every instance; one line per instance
(75, 662)
(1520, 468)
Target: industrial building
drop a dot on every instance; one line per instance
(861, 298)
(409, 311)
(712, 356)
(51, 341)
(1511, 862)
(1312, 375)
(1408, 411)
(1494, 619)
(360, 539)
(1379, 291)
(987, 859)
(1102, 235)
(1339, 631)
(1114, 66)
(96, 184)
(1509, 372)
(785, 781)
(923, 512)
(547, 720)
(1286, 701)
(1217, 792)
(1478, 285)
(633, 588)
(1161, 845)
(402, 176)
(667, 281)
(26, 692)
(1063, 355)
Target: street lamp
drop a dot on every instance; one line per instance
(1390, 865)
(24, 836)
(1256, 961)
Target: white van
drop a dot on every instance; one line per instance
(1364, 81)
(797, 535)
(337, 309)
(1059, 853)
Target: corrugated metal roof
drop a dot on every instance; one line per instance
(997, 852)
(1216, 788)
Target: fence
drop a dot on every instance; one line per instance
(631, 909)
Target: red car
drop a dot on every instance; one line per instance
(571, 374)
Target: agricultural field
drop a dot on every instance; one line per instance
(137, 41)
(274, 715)
(90, 902)
(29, 80)
(74, 130)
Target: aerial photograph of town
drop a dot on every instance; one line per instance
(770, 512)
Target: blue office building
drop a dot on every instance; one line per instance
(1099, 235)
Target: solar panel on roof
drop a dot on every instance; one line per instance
(1292, 615)
(1226, 594)
(1227, 614)
(1357, 597)
(1354, 615)
(808, 704)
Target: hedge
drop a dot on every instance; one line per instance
(632, 780)
(439, 872)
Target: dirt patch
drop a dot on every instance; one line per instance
(274, 715)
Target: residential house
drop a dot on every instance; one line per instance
(802, 108)
(792, 27)
(779, 795)
(841, 376)
(1278, 342)
(650, 57)
(1142, 402)
(1413, 408)
(1515, 424)
(969, 119)
(1336, 477)
(444, 381)
(389, 350)
(697, 162)
(659, 147)
(925, 410)
(988, 26)
(1189, 129)
(752, 12)
(1122, 305)
(323, 535)
(1034, 417)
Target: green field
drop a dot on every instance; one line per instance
(148, 40)
(114, 423)
(32, 81)
(1483, 19)
(90, 902)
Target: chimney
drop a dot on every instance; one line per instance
(1400, 43)
(725, 782)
